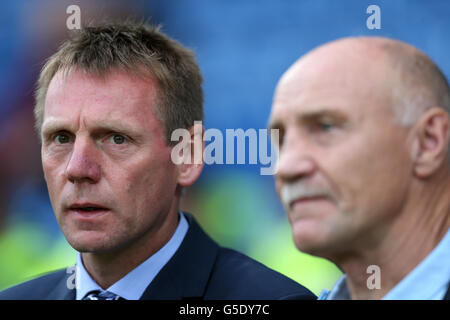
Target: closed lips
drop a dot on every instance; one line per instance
(87, 208)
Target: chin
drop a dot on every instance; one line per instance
(88, 241)
(310, 240)
(308, 246)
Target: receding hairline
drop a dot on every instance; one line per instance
(372, 47)
(418, 82)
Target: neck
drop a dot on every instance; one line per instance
(107, 268)
(414, 233)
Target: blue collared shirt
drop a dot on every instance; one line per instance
(133, 285)
(429, 280)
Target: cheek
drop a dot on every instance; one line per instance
(55, 186)
(369, 175)
(52, 175)
(147, 183)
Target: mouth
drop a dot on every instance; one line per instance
(311, 208)
(306, 200)
(88, 210)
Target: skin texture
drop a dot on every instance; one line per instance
(102, 144)
(381, 190)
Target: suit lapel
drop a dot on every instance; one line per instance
(447, 295)
(187, 272)
(61, 290)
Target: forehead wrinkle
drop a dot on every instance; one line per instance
(309, 92)
(126, 93)
(123, 86)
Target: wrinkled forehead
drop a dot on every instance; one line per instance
(117, 87)
(118, 98)
(352, 79)
(133, 82)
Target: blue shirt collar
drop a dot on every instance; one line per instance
(429, 280)
(133, 285)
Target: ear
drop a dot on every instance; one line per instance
(191, 167)
(432, 140)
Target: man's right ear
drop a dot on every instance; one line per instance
(432, 142)
(188, 155)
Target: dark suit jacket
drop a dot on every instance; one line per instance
(447, 295)
(199, 269)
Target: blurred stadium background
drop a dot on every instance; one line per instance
(242, 47)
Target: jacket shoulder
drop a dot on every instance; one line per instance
(237, 276)
(35, 289)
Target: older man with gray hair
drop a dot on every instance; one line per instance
(364, 169)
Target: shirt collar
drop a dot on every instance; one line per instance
(339, 291)
(133, 285)
(429, 280)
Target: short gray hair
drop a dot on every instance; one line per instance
(421, 84)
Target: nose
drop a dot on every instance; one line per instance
(295, 159)
(83, 165)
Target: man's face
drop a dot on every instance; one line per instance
(343, 167)
(105, 160)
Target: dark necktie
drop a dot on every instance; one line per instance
(105, 295)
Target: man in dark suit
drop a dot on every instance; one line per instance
(107, 104)
(364, 167)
